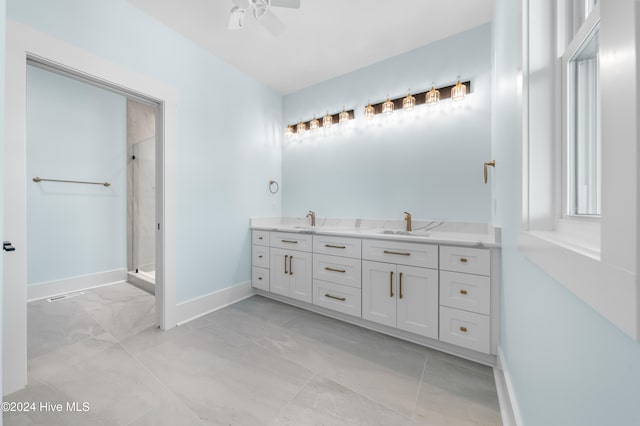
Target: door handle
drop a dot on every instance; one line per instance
(400, 295)
(7, 246)
(391, 284)
(290, 265)
(285, 264)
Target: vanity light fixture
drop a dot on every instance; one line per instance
(344, 116)
(458, 92)
(369, 111)
(409, 102)
(301, 128)
(327, 121)
(314, 124)
(387, 107)
(432, 98)
(289, 132)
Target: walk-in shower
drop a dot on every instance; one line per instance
(141, 195)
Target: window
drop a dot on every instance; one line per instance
(583, 168)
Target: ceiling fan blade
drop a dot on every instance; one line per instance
(294, 4)
(236, 18)
(271, 22)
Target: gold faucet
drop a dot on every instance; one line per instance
(312, 215)
(407, 217)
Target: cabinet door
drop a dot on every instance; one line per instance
(418, 300)
(300, 276)
(379, 292)
(279, 272)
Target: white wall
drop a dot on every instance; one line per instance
(74, 132)
(228, 131)
(427, 163)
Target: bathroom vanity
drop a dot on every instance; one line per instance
(437, 286)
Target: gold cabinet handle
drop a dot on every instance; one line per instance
(400, 295)
(289, 241)
(332, 246)
(463, 329)
(342, 299)
(259, 278)
(391, 284)
(396, 252)
(335, 270)
(286, 256)
(491, 163)
(259, 257)
(259, 238)
(463, 260)
(463, 291)
(290, 265)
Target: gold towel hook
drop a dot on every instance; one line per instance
(491, 163)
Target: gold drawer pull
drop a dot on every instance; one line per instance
(463, 260)
(463, 329)
(332, 246)
(335, 270)
(391, 284)
(259, 278)
(259, 238)
(342, 299)
(396, 252)
(401, 285)
(463, 291)
(259, 257)
(290, 265)
(289, 241)
(285, 264)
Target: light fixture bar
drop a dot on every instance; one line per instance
(445, 93)
(335, 119)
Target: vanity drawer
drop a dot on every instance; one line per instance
(260, 256)
(337, 297)
(337, 246)
(465, 329)
(260, 238)
(291, 241)
(464, 259)
(411, 254)
(260, 278)
(336, 269)
(465, 291)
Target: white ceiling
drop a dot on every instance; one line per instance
(323, 39)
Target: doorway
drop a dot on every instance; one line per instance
(27, 45)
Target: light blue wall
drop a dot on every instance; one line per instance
(228, 131)
(429, 165)
(74, 132)
(569, 365)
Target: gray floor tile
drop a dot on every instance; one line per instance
(454, 394)
(323, 402)
(254, 363)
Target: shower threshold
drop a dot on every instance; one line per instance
(144, 280)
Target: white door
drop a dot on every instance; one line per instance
(379, 292)
(300, 275)
(279, 272)
(418, 300)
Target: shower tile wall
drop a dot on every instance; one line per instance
(140, 187)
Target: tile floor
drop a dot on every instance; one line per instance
(258, 362)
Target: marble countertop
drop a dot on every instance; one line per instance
(427, 231)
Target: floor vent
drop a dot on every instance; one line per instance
(64, 296)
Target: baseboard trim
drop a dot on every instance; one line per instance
(203, 305)
(84, 282)
(509, 409)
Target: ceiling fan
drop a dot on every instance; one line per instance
(261, 12)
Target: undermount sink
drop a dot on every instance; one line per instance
(417, 233)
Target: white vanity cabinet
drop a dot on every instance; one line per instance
(465, 297)
(337, 274)
(260, 260)
(397, 295)
(290, 265)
